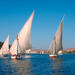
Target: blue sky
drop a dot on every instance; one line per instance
(48, 14)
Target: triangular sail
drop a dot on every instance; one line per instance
(14, 50)
(24, 36)
(59, 36)
(58, 39)
(53, 46)
(5, 46)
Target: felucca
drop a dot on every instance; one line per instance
(23, 40)
(56, 45)
(53, 48)
(5, 47)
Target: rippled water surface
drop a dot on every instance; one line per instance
(37, 64)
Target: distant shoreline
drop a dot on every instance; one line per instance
(69, 50)
(65, 51)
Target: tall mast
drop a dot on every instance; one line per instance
(17, 43)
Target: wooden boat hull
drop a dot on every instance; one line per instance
(52, 56)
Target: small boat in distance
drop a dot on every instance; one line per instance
(23, 40)
(56, 45)
(5, 48)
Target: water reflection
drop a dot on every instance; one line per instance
(21, 67)
(38, 65)
(56, 66)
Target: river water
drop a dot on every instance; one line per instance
(38, 64)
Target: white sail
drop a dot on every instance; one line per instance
(58, 39)
(24, 36)
(5, 47)
(53, 46)
(15, 47)
(59, 36)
